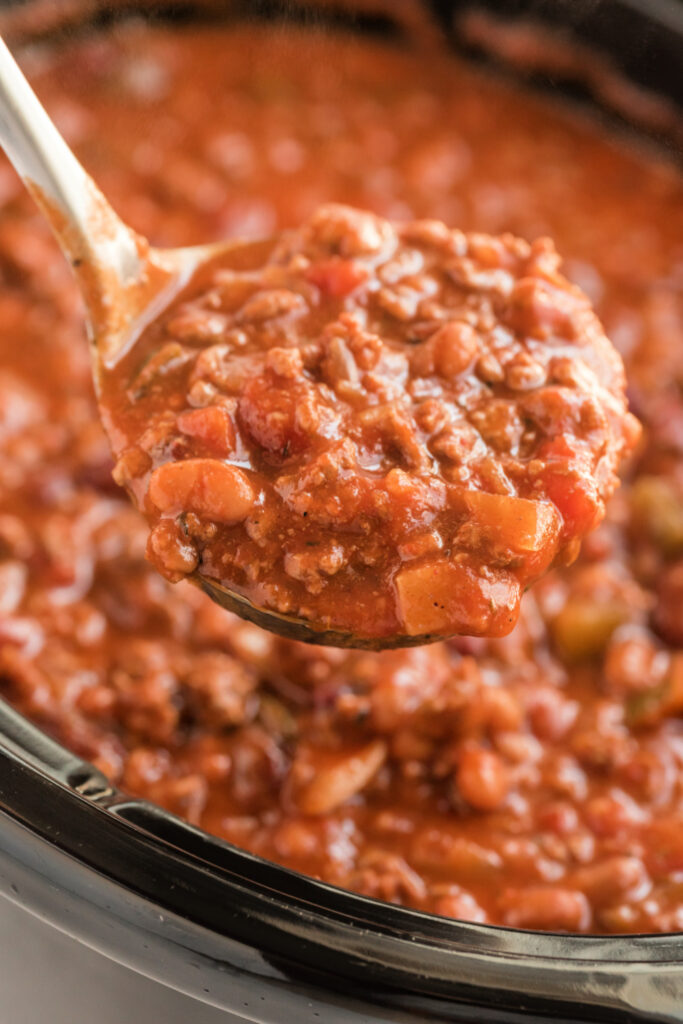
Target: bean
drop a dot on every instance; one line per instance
(459, 904)
(205, 486)
(613, 880)
(482, 779)
(565, 910)
(13, 578)
(455, 346)
(173, 555)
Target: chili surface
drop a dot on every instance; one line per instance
(387, 430)
(532, 781)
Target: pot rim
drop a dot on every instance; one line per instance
(65, 825)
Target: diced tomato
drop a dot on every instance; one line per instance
(271, 410)
(337, 277)
(577, 500)
(573, 492)
(558, 448)
(212, 426)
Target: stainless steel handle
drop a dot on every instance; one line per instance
(102, 249)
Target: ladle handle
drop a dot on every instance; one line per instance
(105, 254)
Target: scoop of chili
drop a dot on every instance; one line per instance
(384, 429)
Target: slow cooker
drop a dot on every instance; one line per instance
(214, 933)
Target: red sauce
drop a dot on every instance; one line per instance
(533, 781)
(385, 430)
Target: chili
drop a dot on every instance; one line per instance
(533, 780)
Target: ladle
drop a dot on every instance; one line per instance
(125, 283)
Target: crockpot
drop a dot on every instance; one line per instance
(179, 925)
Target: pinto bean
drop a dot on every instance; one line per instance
(171, 552)
(482, 779)
(562, 910)
(455, 346)
(13, 578)
(612, 880)
(205, 486)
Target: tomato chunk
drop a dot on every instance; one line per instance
(573, 490)
(278, 417)
(212, 426)
(337, 277)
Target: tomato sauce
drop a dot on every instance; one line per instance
(533, 781)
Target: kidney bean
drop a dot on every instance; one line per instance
(482, 779)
